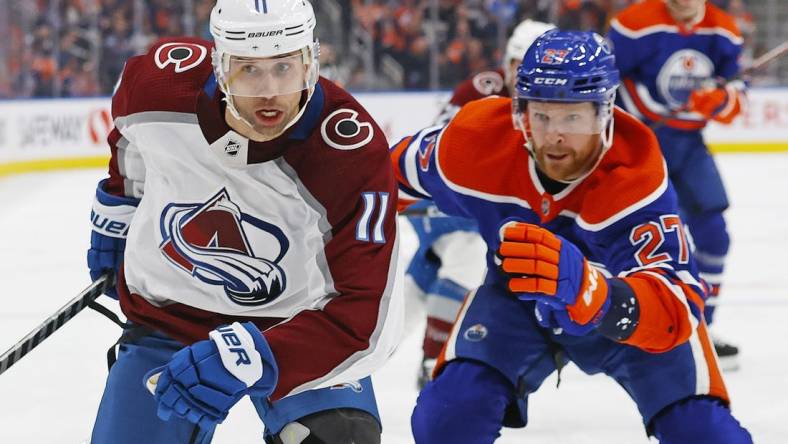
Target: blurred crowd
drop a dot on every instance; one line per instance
(66, 48)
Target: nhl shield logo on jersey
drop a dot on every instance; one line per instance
(213, 242)
(184, 56)
(343, 131)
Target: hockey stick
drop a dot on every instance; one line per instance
(764, 59)
(54, 322)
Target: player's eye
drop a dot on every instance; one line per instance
(282, 68)
(541, 117)
(250, 69)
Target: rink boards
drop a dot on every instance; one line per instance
(49, 134)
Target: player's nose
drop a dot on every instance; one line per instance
(554, 137)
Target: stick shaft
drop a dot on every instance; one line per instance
(53, 323)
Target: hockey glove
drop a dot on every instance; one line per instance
(707, 102)
(110, 219)
(550, 270)
(204, 380)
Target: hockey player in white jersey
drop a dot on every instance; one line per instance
(249, 216)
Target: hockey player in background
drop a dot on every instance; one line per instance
(449, 260)
(678, 60)
(587, 257)
(254, 199)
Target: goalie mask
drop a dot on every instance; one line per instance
(264, 48)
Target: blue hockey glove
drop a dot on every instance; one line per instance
(110, 219)
(204, 380)
(551, 270)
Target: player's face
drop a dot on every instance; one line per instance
(267, 91)
(565, 137)
(685, 10)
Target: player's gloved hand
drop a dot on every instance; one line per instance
(110, 219)
(204, 380)
(707, 102)
(551, 271)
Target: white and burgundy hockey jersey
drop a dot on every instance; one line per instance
(297, 234)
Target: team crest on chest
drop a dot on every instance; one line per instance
(684, 71)
(184, 56)
(218, 244)
(343, 130)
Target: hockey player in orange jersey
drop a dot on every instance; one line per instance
(587, 258)
(678, 61)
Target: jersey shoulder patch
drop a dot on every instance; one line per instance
(169, 77)
(483, 84)
(488, 83)
(344, 130)
(345, 125)
(182, 56)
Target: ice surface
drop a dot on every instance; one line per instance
(51, 395)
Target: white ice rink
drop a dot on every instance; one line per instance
(51, 395)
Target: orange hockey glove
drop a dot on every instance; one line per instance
(551, 270)
(708, 102)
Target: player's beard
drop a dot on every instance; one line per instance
(573, 162)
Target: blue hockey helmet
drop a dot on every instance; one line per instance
(568, 66)
(571, 67)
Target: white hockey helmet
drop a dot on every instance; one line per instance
(264, 48)
(523, 35)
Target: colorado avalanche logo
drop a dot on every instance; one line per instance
(184, 56)
(343, 131)
(209, 241)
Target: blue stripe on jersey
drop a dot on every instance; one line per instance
(303, 128)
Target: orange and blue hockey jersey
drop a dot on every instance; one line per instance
(662, 61)
(623, 216)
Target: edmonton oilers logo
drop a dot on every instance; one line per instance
(475, 333)
(213, 241)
